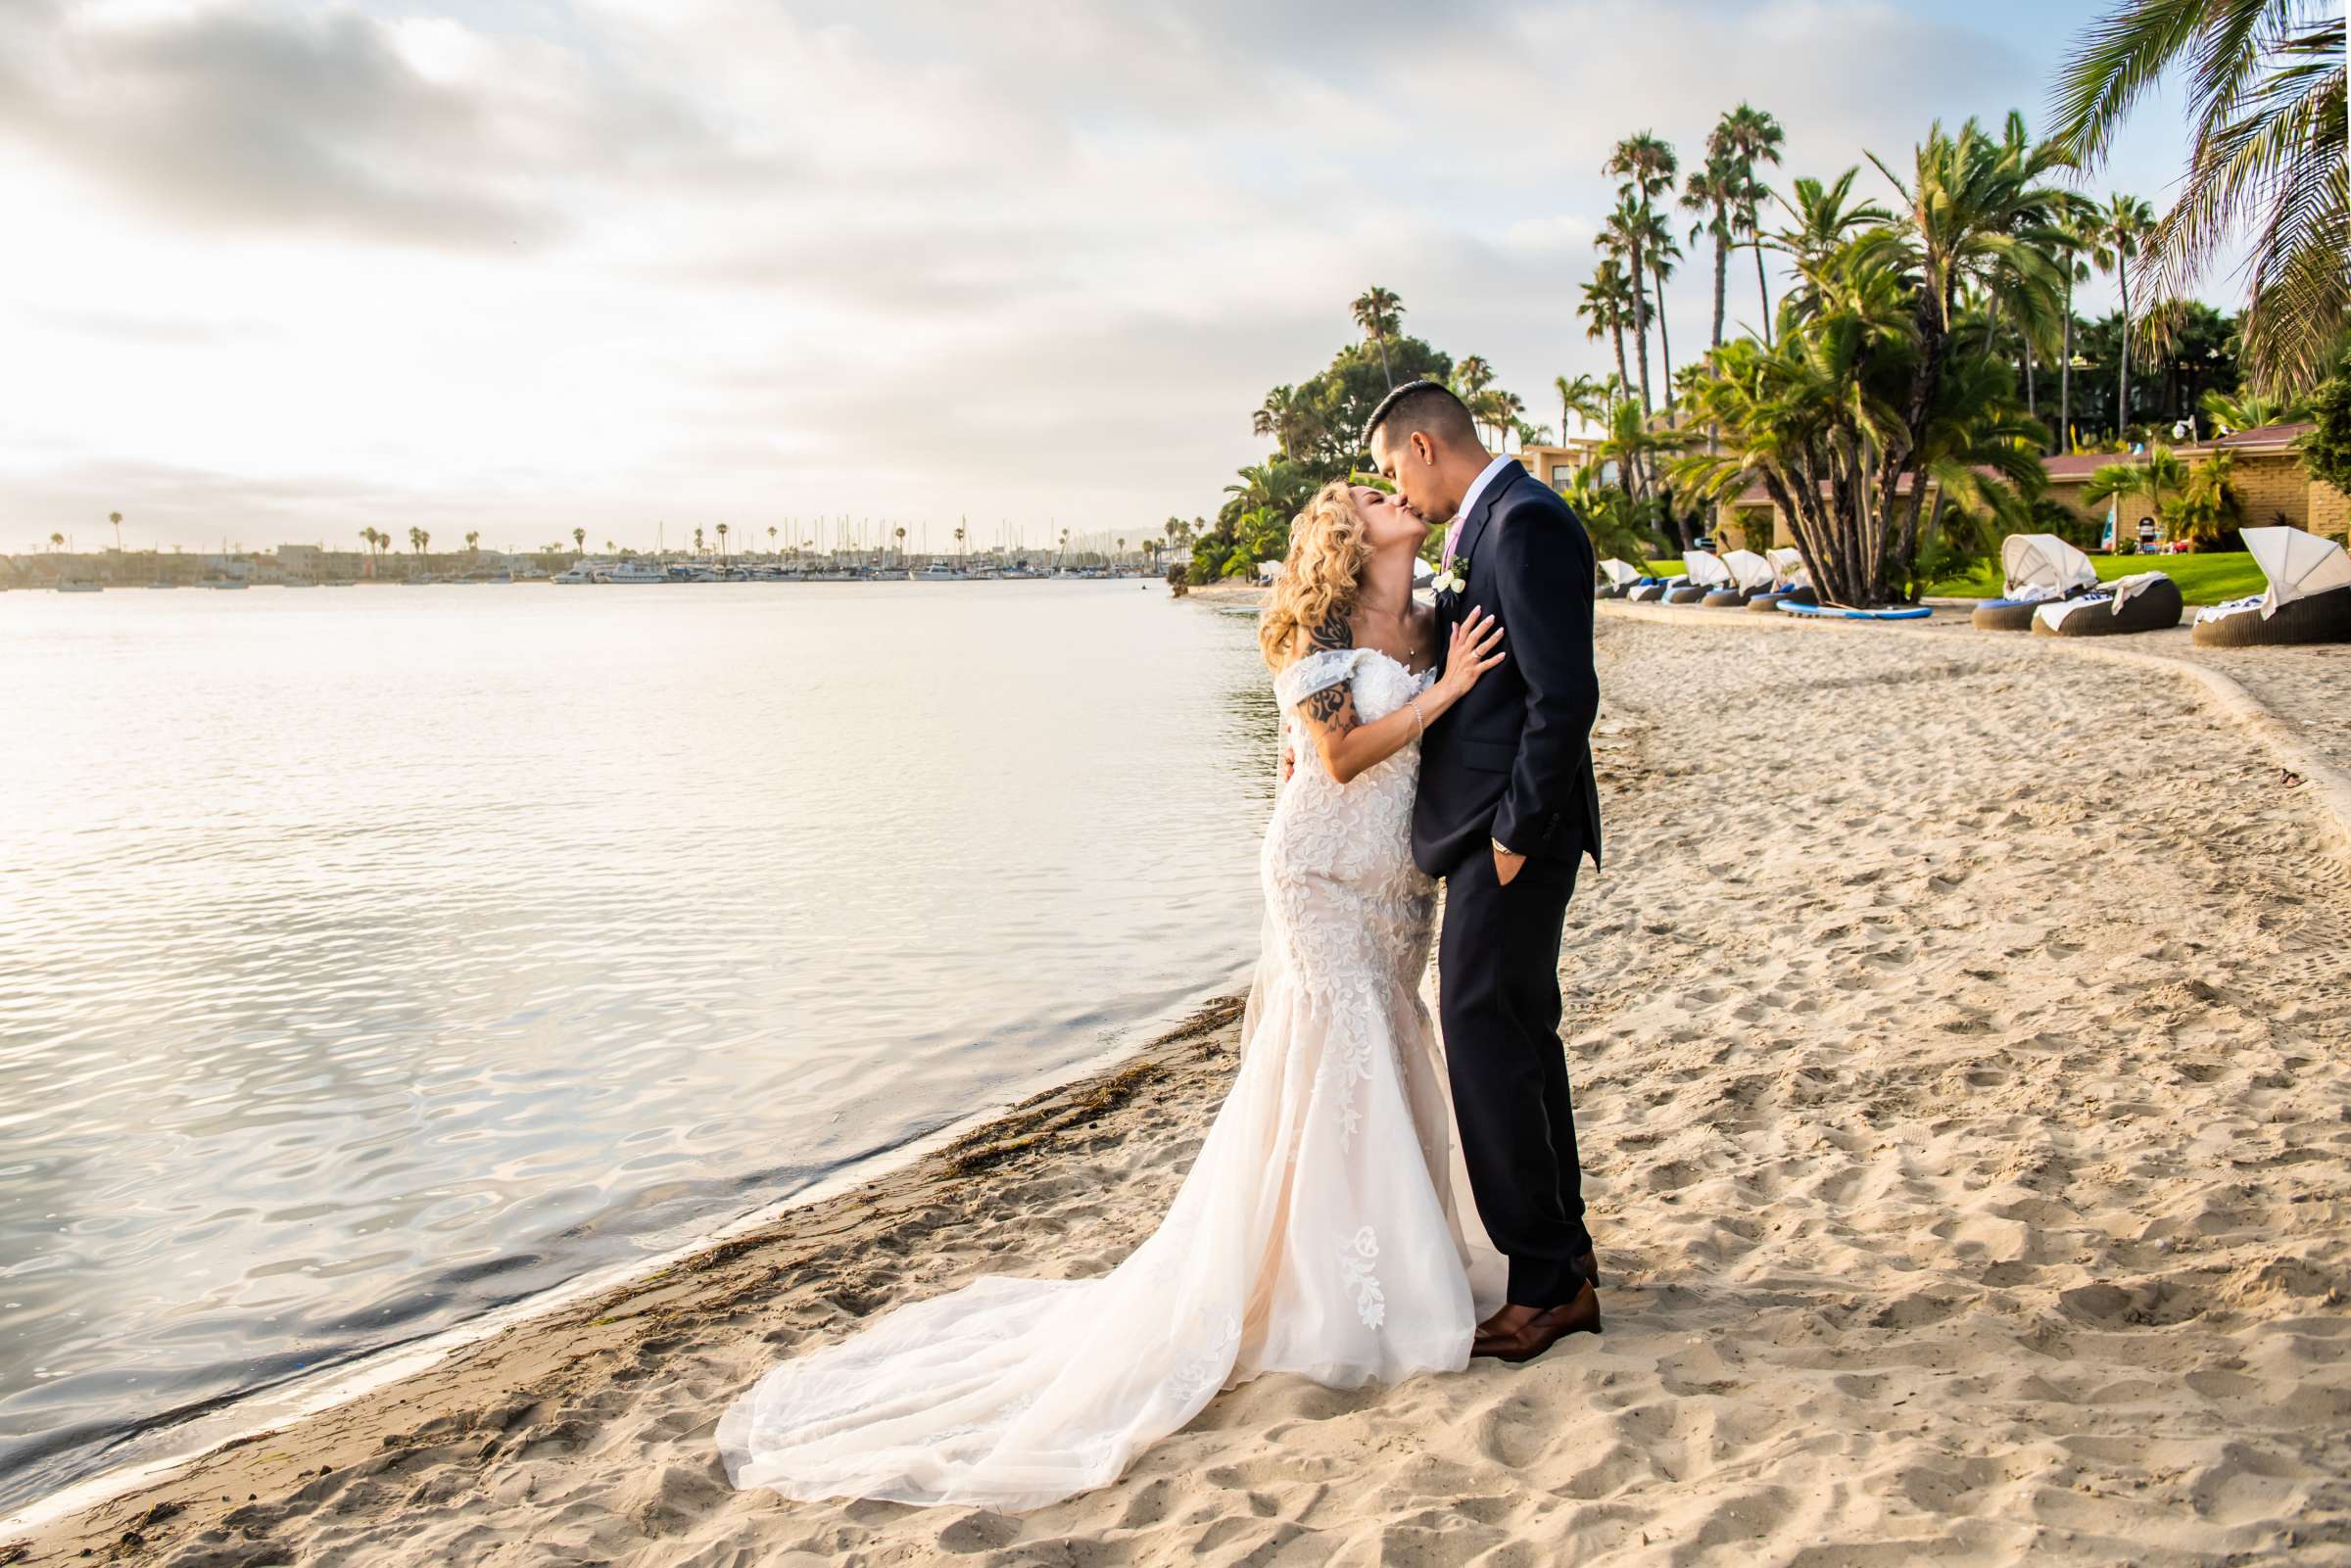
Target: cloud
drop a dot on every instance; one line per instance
(542, 263)
(314, 120)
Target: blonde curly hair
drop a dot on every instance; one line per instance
(1329, 549)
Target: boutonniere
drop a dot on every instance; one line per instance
(1451, 579)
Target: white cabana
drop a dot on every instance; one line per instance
(1704, 569)
(2297, 565)
(1787, 564)
(1623, 574)
(1749, 571)
(2044, 566)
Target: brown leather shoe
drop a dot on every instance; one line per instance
(1590, 1265)
(1525, 1340)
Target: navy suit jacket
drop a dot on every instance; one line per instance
(1512, 760)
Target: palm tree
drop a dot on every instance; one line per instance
(2075, 237)
(116, 518)
(1646, 167)
(2266, 98)
(2159, 475)
(1748, 137)
(722, 541)
(1378, 313)
(698, 540)
(1713, 191)
(1500, 409)
(1823, 220)
(57, 541)
(1662, 251)
(1582, 395)
(2229, 413)
(579, 541)
(2208, 504)
(1620, 240)
(473, 543)
(1980, 216)
(1634, 448)
(2121, 228)
(1470, 378)
(1287, 417)
(899, 535)
(416, 540)
(1606, 306)
(959, 541)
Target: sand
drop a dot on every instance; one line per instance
(1958, 1035)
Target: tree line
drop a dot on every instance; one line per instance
(1923, 349)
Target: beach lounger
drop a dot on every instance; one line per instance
(1617, 578)
(2147, 602)
(1799, 594)
(1750, 574)
(2309, 598)
(1789, 580)
(1706, 574)
(2036, 568)
(1653, 589)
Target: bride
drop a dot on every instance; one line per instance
(1318, 1230)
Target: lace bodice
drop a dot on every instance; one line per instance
(1360, 833)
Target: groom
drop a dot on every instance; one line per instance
(1507, 810)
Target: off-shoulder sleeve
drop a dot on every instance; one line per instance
(1325, 667)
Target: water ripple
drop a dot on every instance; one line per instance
(366, 964)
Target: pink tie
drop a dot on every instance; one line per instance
(1453, 537)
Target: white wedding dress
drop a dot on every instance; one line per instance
(1323, 1229)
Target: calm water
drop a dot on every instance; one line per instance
(371, 956)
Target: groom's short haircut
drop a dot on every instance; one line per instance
(1423, 406)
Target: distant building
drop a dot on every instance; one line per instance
(1556, 465)
(2270, 476)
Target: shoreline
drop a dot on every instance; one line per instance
(1949, 1196)
(246, 1417)
(928, 1169)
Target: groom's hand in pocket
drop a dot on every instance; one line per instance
(1506, 866)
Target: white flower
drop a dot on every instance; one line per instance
(1448, 582)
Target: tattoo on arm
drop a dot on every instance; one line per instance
(1333, 709)
(1334, 633)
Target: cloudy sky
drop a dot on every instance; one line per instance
(280, 270)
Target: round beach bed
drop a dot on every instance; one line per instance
(2309, 598)
(2319, 618)
(2156, 607)
(1646, 592)
(1687, 594)
(2042, 563)
(2006, 615)
(1802, 593)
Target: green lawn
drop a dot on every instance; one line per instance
(1672, 568)
(2202, 578)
